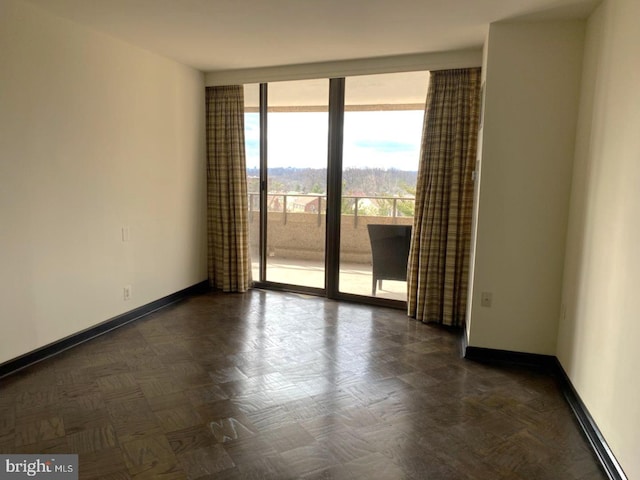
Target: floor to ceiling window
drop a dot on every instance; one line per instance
(287, 134)
(252, 152)
(381, 145)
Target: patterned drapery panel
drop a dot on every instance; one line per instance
(227, 222)
(439, 256)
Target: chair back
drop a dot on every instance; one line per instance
(390, 250)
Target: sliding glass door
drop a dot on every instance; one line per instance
(381, 145)
(252, 139)
(289, 183)
(297, 122)
(360, 159)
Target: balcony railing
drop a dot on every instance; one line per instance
(313, 203)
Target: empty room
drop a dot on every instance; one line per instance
(319, 239)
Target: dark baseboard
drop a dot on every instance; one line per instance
(532, 361)
(550, 365)
(599, 445)
(54, 348)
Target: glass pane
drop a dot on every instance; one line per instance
(252, 152)
(297, 181)
(382, 135)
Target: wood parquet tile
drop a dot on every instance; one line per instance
(271, 385)
(191, 438)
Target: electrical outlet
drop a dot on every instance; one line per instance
(127, 292)
(486, 298)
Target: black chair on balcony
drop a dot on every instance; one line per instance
(390, 253)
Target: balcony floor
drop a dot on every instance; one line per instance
(355, 278)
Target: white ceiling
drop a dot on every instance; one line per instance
(214, 35)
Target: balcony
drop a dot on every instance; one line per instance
(296, 241)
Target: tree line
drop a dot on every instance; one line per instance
(355, 181)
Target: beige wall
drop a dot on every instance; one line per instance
(597, 342)
(476, 194)
(531, 97)
(94, 135)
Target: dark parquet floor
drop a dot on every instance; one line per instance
(271, 385)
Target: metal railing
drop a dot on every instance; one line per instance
(351, 205)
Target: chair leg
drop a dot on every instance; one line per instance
(379, 284)
(373, 287)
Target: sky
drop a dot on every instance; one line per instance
(381, 139)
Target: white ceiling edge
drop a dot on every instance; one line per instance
(366, 66)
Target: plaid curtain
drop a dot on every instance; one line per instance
(439, 255)
(227, 225)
